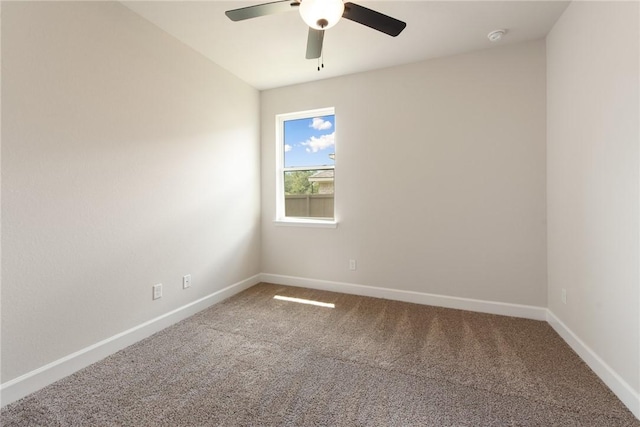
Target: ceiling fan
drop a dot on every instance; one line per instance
(320, 15)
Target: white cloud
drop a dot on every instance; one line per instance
(287, 148)
(319, 124)
(315, 144)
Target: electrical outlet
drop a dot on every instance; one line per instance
(157, 291)
(352, 264)
(563, 296)
(186, 281)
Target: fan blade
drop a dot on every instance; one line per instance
(314, 43)
(261, 10)
(373, 19)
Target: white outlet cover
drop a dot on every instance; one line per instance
(186, 281)
(157, 291)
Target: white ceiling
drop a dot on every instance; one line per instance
(269, 51)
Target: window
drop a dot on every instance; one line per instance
(305, 147)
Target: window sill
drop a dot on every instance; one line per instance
(304, 222)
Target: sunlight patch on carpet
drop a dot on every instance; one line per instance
(305, 301)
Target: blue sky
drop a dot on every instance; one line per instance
(308, 142)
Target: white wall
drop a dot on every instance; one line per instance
(456, 147)
(127, 160)
(593, 164)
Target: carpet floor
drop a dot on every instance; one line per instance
(253, 360)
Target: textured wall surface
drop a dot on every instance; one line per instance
(456, 147)
(127, 160)
(593, 179)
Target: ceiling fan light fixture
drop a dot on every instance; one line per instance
(321, 14)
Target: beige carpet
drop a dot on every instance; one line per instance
(256, 361)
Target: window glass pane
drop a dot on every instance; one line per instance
(309, 142)
(309, 193)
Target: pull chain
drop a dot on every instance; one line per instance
(321, 37)
(321, 58)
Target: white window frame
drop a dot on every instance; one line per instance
(281, 219)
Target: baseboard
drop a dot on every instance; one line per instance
(48, 374)
(617, 384)
(492, 307)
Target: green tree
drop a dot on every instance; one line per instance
(297, 182)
